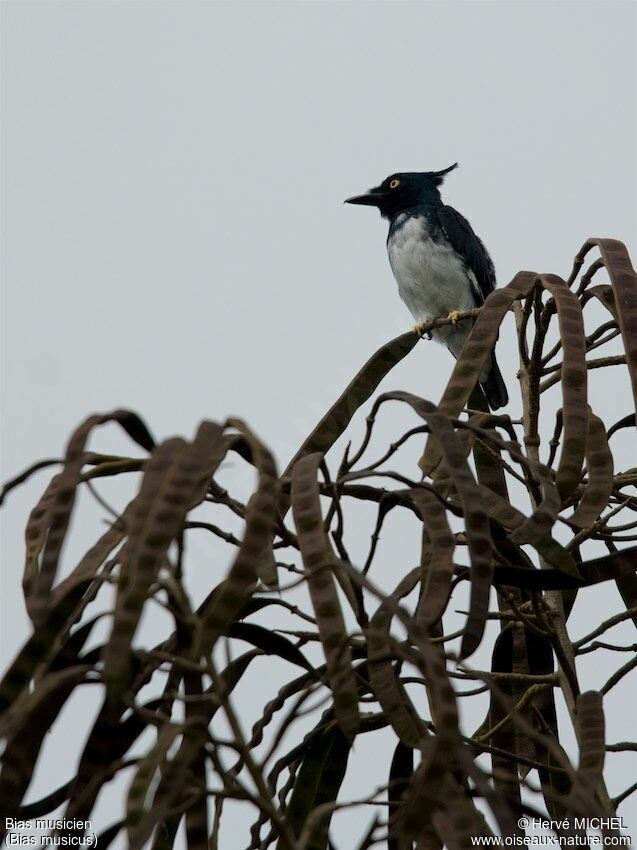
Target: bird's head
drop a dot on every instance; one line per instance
(404, 190)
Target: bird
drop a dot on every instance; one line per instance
(441, 267)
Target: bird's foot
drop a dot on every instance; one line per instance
(420, 330)
(453, 316)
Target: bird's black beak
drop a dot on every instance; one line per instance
(370, 199)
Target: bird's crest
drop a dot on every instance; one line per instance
(437, 177)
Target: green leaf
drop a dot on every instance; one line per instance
(317, 783)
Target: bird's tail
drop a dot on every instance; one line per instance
(494, 387)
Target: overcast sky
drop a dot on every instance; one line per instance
(173, 233)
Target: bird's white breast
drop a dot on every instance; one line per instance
(432, 279)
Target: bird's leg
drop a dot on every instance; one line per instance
(453, 316)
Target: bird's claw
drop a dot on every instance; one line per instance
(453, 317)
(419, 330)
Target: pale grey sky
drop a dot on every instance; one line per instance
(174, 238)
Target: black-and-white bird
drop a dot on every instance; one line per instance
(441, 266)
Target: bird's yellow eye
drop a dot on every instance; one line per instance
(394, 183)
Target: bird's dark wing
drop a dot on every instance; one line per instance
(464, 241)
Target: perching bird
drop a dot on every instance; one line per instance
(441, 266)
